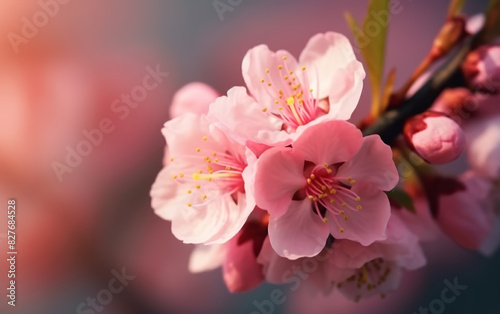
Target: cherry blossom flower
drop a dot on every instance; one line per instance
(330, 181)
(202, 189)
(355, 270)
(288, 95)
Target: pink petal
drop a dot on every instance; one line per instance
(209, 224)
(330, 142)
(165, 197)
(465, 216)
(299, 232)
(346, 90)
(206, 257)
(373, 163)
(236, 217)
(186, 133)
(193, 97)
(324, 54)
(254, 66)
(242, 118)
(240, 270)
(278, 176)
(368, 224)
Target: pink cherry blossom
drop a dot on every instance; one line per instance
(355, 270)
(435, 137)
(379, 266)
(202, 189)
(470, 216)
(330, 181)
(288, 95)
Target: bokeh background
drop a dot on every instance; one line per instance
(63, 80)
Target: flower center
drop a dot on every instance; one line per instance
(219, 173)
(369, 277)
(331, 193)
(294, 102)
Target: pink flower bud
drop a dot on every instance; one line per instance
(482, 69)
(193, 97)
(435, 137)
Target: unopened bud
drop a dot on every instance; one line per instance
(481, 68)
(435, 137)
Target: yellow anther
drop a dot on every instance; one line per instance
(198, 186)
(196, 176)
(291, 72)
(280, 67)
(353, 182)
(290, 101)
(313, 176)
(276, 101)
(344, 204)
(329, 170)
(308, 180)
(262, 80)
(342, 212)
(280, 92)
(172, 159)
(323, 187)
(341, 230)
(216, 159)
(311, 90)
(280, 108)
(303, 68)
(325, 220)
(358, 199)
(175, 176)
(189, 204)
(228, 168)
(284, 58)
(264, 110)
(189, 191)
(269, 84)
(325, 165)
(332, 202)
(359, 207)
(205, 138)
(200, 171)
(285, 77)
(198, 149)
(345, 217)
(204, 197)
(214, 154)
(181, 175)
(333, 191)
(311, 197)
(267, 70)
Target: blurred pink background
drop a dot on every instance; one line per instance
(64, 80)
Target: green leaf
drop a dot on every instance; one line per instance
(455, 7)
(373, 46)
(401, 198)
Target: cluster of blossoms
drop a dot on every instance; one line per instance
(273, 176)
